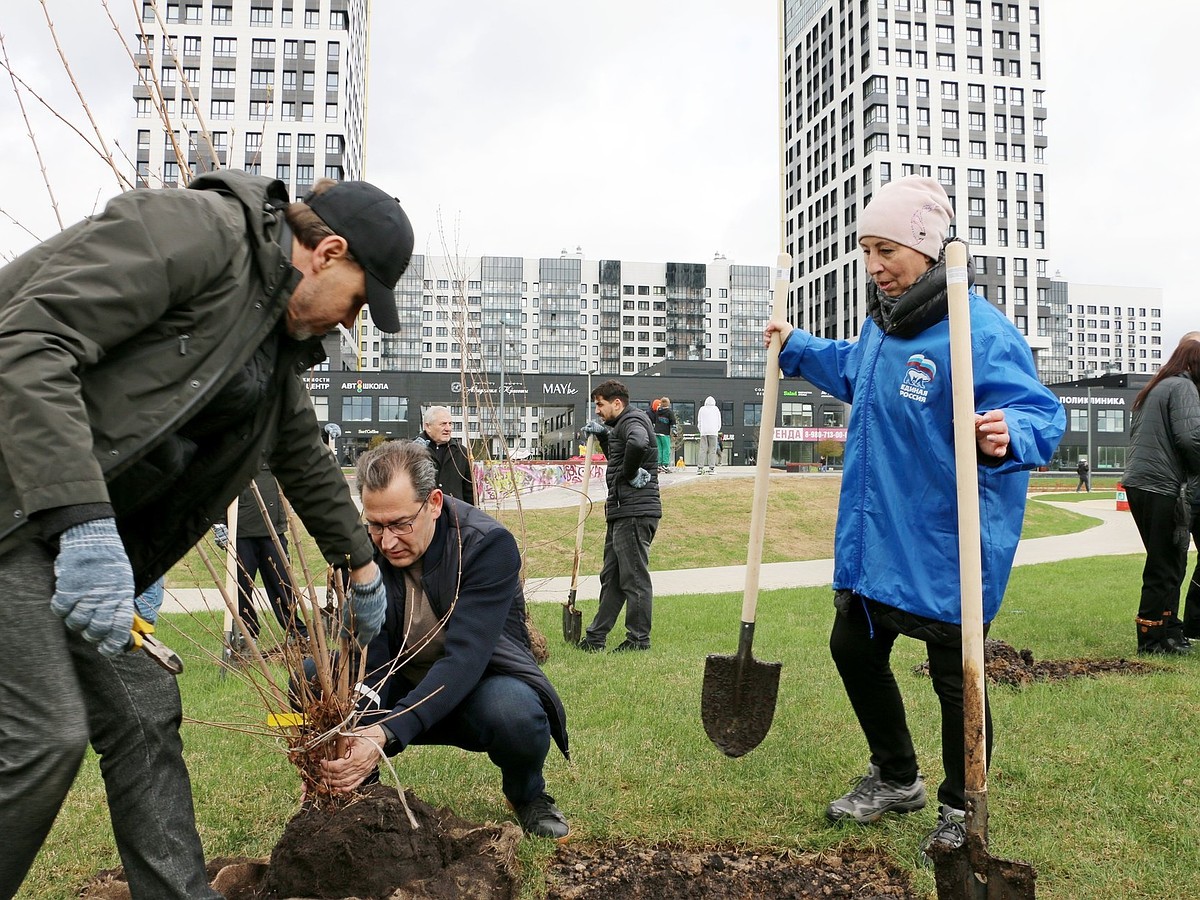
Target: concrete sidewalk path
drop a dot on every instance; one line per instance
(1115, 535)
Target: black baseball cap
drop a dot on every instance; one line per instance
(379, 235)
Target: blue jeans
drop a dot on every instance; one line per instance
(56, 693)
(625, 581)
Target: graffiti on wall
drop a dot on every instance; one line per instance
(496, 481)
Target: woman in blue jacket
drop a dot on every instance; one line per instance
(896, 544)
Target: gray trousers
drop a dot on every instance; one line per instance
(625, 581)
(57, 693)
(708, 451)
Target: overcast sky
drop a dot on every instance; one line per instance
(648, 130)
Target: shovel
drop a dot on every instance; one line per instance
(969, 872)
(737, 698)
(573, 618)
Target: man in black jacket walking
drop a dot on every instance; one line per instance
(633, 510)
(452, 665)
(455, 476)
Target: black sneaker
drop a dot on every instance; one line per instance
(951, 832)
(1172, 645)
(628, 645)
(871, 797)
(540, 817)
(590, 648)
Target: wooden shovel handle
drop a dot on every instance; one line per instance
(970, 563)
(766, 439)
(583, 508)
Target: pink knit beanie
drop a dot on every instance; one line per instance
(913, 211)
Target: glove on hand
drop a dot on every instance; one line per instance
(596, 428)
(365, 608)
(221, 536)
(641, 479)
(93, 589)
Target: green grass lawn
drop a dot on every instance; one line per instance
(800, 521)
(1091, 779)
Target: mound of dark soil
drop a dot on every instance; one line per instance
(1005, 665)
(682, 874)
(369, 850)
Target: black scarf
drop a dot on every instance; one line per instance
(922, 305)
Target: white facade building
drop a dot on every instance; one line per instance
(276, 87)
(1114, 330)
(568, 314)
(951, 89)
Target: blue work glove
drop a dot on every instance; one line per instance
(365, 608)
(596, 428)
(641, 479)
(221, 536)
(93, 589)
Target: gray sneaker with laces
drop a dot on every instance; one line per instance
(951, 831)
(871, 797)
(542, 818)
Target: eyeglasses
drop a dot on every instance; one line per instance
(376, 529)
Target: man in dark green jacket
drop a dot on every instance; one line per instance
(149, 356)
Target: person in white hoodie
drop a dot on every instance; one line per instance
(710, 431)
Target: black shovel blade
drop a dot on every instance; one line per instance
(572, 623)
(969, 872)
(737, 701)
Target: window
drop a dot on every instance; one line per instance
(975, 121)
(975, 65)
(796, 415)
(356, 408)
(331, 112)
(191, 46)
(977, 234)
(262, 47)
(1001, 151)
(393, 409)
(333, 50)
(290, 49)
(309, 80)
(998, 94)
(283, 145)
(222, 15)
(949, 118)
(260, 109)
(949, 90)
(289, 79)
(219, 109)
(338, 20)
(222, 46)
(312, 18)
(975, 177)
(944, 8)
(306, 143)
(253, 142)
(945, 62)
(259, 78)
(945, 175)
(945, 34)
(923, 89)
(949, 147)
(260, 16)
(331, 81)
(334, 144)
(974, 37)
(975, 206)
(168, 76)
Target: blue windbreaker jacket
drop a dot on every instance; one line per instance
(897, 530)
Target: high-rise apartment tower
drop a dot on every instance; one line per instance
(275, 87)
(952, 89)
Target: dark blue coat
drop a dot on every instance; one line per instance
(484, 635)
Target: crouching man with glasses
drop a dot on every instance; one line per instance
(452, 664)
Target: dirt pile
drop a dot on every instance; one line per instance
(368, 849)
(682, 874)
(1003, 664)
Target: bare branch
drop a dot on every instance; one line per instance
(29, 131)
(121, 181)
(8, 216)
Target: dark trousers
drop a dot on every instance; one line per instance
(57, 693)
(1157, 520)
(503, 717)
(625, 581)
(1191, 609)
(259, 556)
(862, 652)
